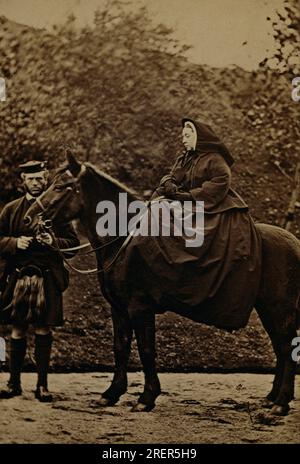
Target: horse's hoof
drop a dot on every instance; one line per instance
(267, 404)
(141, 407)
(43, 395)
(278, 410)
(103, 402)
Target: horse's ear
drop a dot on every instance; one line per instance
(74, 165)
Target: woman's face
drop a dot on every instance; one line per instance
(189, 138)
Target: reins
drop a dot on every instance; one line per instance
(95, 270)
(87, 244)
(61, 251)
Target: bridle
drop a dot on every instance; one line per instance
(95, 270)
(70, 188)
(47, 225)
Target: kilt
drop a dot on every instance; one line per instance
(52, 313)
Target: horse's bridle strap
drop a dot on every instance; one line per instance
(39, 202)
(95, 270)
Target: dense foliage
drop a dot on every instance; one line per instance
(117, 91)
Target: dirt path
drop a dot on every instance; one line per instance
(194, 408)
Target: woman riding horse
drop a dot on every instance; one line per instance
(238, 266)
(231, 243)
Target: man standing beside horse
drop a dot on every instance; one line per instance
(33, 281)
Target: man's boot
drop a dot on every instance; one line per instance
(43, 345)
(18, 348)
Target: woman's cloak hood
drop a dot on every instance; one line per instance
(208, 141)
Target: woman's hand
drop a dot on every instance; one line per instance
(170, 188)
(182, 196)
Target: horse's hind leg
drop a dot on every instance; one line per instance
(122, 346)
(286, 389)
(270, 329)
(279, 322)
(271, 397)
(144, 327)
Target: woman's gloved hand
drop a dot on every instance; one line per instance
(170, 188)
(160, 191)
(182, 196)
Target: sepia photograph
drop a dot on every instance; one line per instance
(149, 225)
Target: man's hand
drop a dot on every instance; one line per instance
(24, 242)
(44, 238)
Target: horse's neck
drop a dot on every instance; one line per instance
(94, 191)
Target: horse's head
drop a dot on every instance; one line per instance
(62, 201)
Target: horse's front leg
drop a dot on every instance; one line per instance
(122, 345)
(144, 328)
(279, 321)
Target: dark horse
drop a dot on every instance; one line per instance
(75, 192)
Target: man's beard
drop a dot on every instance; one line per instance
(33, 194)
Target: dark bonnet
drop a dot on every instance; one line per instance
(208, 141)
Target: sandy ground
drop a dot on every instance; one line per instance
(193, 408)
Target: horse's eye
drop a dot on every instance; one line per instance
(59, 188)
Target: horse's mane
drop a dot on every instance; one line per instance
(112, 180)
(103, 175)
